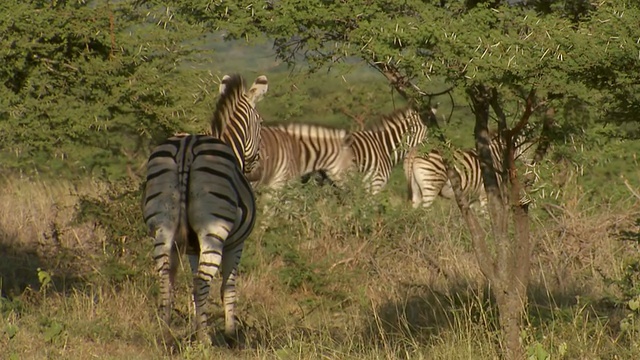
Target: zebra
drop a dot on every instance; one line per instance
(290, 151)
(198, 200)
(427, 178)
(279, 160)
(322, 149)
(377, 150)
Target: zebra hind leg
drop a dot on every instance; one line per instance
(165, 255)
(228, 294)
(430, 189)
(210, 259)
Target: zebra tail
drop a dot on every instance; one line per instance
(182, 233)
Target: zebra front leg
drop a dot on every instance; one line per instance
(480, 204)
(228, 293)
(210, 259)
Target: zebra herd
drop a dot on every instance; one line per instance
(199, 195)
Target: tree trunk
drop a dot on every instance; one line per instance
(507, 267)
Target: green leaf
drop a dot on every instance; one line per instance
(11, 331)
(44, 278)
(53, 331)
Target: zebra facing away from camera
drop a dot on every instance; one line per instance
(427, 174)
(377, 150)
(198, 200)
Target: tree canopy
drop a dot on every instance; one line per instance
(87, 84)
(93, 83)
(582, 56)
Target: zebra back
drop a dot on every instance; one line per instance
(236, 121)
(321, 148)
(279, 159)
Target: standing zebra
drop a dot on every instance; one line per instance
(376, 151)
(197, 199)
(427, 174)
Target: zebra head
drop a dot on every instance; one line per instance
(525, 144)
(407, 129)
(236, 120)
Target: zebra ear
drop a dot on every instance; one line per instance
(258, 89)
(223, 84)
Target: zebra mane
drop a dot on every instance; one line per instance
(396, 117)
(234, 90)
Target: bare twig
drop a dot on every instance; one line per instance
(348, 260)
(358, 119)
(631, 190)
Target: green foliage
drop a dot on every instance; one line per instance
(10, 331)
(52, 330)
(44, 278)
(86, 84)
(11, 305)
(586, 54)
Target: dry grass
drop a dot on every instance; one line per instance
(326, 280)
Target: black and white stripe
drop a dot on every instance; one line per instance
(198, 200)
(290, 151)
(377, 150)
(427, 174)
(279, 159)
(322, 149)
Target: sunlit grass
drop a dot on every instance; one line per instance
(360, 278)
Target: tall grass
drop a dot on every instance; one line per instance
(328, 276)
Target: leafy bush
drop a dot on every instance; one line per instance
(118, 211)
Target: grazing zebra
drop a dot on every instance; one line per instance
(197, 199)
(278, 159)
(322, 149)
(290, 151)
(427, 174)
(377, 150)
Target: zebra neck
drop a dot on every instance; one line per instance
(392, 144)
(236, 145)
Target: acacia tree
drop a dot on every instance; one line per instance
(506, 56)
(87, 84)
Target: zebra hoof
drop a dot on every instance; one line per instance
(233, 342)
(169, 342)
